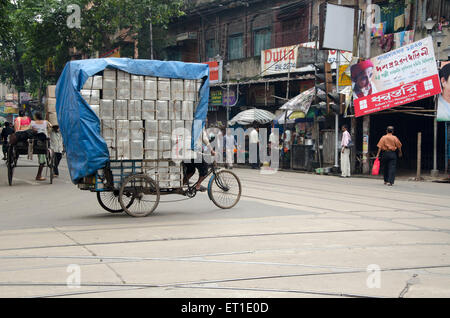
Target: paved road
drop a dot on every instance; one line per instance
(292, 235)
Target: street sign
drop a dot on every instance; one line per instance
(215, 97)
(344, 79)
(306, 56)
(25, 97)
(215, 71)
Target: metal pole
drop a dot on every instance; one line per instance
(228, 93)
(291, 150)
(419, 155)
(447, 145)
(151, 40)
(287, 99)
(336, 120)
(435, 172)
(366, 119)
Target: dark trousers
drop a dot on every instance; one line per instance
(389, 166)
(58, 157)
(254, 155)
(5, 149)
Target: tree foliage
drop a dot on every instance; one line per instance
(34, 32)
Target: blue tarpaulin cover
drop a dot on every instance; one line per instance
(86, 149)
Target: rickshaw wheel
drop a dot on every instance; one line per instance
(224, 189)
(50, 164)
(145, 193)
(11, 163)
(109, 200)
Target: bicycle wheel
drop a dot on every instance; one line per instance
(109, 200)
(145, 193)
(10, 162)
(224, 189)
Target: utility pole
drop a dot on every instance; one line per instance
(366, 120)
(435, 171)
(151, 36)
(336, 120)
(227, 67)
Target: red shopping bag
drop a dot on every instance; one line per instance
(376, 167)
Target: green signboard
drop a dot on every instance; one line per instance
(215, 97)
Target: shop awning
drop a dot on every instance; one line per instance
(293, 117)
(301, 102)
(250, 116)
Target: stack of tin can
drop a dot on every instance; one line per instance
(138, 116)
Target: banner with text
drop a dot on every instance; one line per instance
(285, 59)
(396, 78)
(215, 71)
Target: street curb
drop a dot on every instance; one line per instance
(359, 176)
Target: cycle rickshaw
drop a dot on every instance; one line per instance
(40, 147)
(133, 187)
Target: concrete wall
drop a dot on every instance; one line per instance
(247, 68)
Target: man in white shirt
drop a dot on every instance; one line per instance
(273, 140)
(287, 139)
(345, 152)
(56, 144)
(253, 141)
(230, 144)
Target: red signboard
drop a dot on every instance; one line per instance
(395, 78)
(397, 96)
(214, 72)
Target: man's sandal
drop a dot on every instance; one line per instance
(202, 189)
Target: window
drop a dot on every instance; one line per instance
(210, 49)
(235, 45)
(261, 40)
(388, 15)
(292, 32)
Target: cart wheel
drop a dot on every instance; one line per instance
(11, 164)
(109, 200)
(145, 193)
(51, 164)
(224, 189)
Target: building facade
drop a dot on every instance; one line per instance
(245, 37)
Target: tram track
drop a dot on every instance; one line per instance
(190, 284)
(105, 260)
(334, 192)
(208, 237)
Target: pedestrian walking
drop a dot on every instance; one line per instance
(273, 140)
(345, 152)
(389, 145)
(6, 131)
(230, 146)
(253, 141)
(56, 144)
(287, 139)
